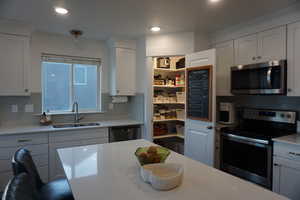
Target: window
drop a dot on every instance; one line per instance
(70, 79)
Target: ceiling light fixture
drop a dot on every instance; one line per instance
(155, 29)
(61, 10)
(214, 1)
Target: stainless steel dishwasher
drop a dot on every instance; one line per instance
(124, 133)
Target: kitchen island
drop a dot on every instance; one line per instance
(111, 172)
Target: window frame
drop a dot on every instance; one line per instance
(72, 61)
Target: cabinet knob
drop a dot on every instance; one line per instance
(253, 58)
(289, 90)
(26, 90)
(277, 165)
(209, 127)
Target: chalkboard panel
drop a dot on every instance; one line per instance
(199, 93)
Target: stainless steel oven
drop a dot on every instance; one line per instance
(262, 78)
(247, 158)
(247, 149)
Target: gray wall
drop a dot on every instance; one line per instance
(133, 109)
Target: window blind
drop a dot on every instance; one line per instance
(70, 59)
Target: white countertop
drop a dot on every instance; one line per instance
(110, 172)
(289, 139)
(39, 129)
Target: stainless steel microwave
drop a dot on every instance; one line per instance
(261, 78)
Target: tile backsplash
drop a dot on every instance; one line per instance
(265, 102)
(133, 109)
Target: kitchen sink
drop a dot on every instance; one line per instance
(74, 125)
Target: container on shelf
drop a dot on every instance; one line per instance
(180, 113)
(180, 129)
(180, 97)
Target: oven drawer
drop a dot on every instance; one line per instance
(288, 151)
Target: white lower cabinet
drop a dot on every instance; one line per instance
(43, 148)
(71, 139)
(286, 170)
(36, 143)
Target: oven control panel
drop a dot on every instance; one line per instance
(270, 115)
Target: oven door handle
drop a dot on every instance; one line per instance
(269, 77)
(246, 140)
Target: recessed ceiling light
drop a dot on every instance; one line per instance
(61, 10)
(155, 29)
(214, 1)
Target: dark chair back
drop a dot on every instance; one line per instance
(20, 188)
(22, 162)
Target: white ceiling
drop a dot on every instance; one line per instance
(103, 18)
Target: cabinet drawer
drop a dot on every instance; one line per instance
(39, 149)
(6, 176)
(40, 160)
(78, 135)
(95, 141)
(288, 151)
(24, 139)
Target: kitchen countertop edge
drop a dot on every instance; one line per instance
(46, 129)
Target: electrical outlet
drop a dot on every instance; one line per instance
(111, 106)
(14, 108)
(29, 108)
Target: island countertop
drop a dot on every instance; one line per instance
(110, 172)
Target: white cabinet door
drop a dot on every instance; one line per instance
(14, 60)
(197, 145)
(225, 60)
(199, 135)
(246, 50)
(293, 50)
(125, 72)
(286, 178)
(272, 44)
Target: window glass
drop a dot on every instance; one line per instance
(86, 92)
(66, 83)
(56, 86)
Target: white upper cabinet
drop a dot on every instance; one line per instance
(293, 59)
(246, 50)
(272, 44)
(14, 63)
(225, 60)
(123, 69)
(264, 46)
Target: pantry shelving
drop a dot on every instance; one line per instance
(168, 97)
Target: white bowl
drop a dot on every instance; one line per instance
(162, 176)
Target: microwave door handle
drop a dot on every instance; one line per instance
(269, 77)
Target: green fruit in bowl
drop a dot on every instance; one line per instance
(152, 154)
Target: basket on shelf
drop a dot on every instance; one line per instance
(180, 113)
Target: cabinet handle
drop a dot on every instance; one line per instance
(26, 90)
(24, 140)
(209, 127)
(277, 165)
(118, 91)
(258, 57)
(294, 154)
(253, 58)
(289, 90)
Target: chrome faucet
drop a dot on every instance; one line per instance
(77, 118)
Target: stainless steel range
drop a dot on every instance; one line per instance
(246, 150)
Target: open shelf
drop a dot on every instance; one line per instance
(168, 86)
(169, 70)
(168, 120)
(164, 103)
(168, 136)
